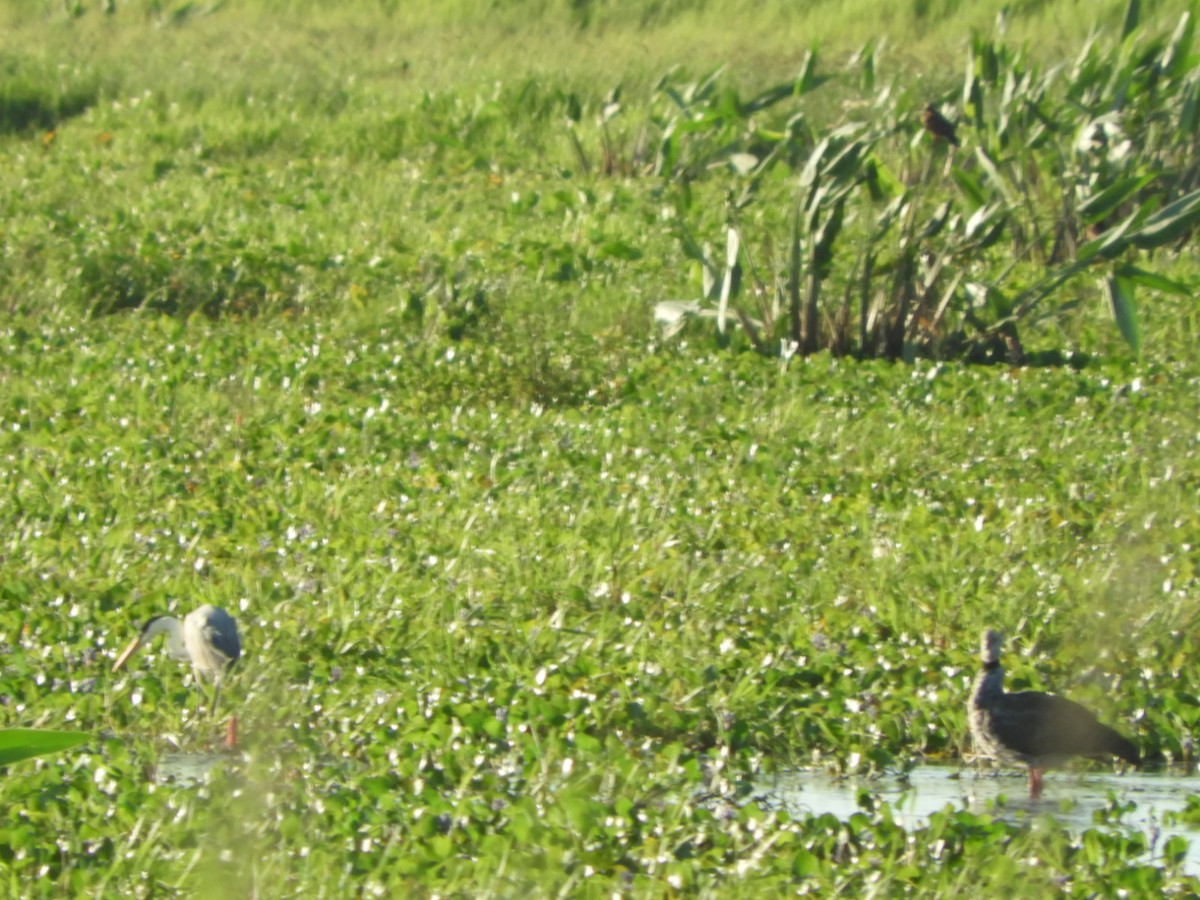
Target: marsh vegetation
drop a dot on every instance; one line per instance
(345, 320)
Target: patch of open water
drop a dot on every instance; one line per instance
(1070, 798)
(185, 769)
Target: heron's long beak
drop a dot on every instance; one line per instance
(127, 652)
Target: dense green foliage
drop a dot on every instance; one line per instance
(361, 348)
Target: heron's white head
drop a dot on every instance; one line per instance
(168, 625)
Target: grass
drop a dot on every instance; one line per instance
(333, 330)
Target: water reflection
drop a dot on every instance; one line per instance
(185, 769)
(1072, 799)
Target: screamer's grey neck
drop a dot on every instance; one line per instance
(989, 684)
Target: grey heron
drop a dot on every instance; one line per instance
(1039, 730)
(207, 637)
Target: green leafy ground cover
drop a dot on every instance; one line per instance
(351, 336)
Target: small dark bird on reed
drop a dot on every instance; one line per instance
(937, 125)
(1039, 730)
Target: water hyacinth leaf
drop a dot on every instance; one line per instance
(806, 864)
(1121, 303)
(17, 744)
(1175, 850)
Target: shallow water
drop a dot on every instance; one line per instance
(1072, 799)
(185, 769)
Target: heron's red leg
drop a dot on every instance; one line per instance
(231, 730)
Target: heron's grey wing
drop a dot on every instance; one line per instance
(221, 633)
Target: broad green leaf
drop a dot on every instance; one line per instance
(573, 108)
(1189, 106)
(1001, 183)
(970, 186)
(881, 181)
(1101, 204)
(1124, 310)
(998, 303)
(982, 218)
(1175, 850)
(826, 235)
(794, 258)
(617, 249)
(769, 97)
(806, 864)
(864, 58)
(17, 744)
(847, 163)
(808, 79)
(1109, 244)
(1169, 224)
(1175, 59)
(972, 95)
(1153, 280)
(937, 221)
(812, 167)
(993, 234)
(728, 105)
(1132, 16)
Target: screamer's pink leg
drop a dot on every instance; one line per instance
(1035, 783)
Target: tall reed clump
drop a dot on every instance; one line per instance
(900, 244)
